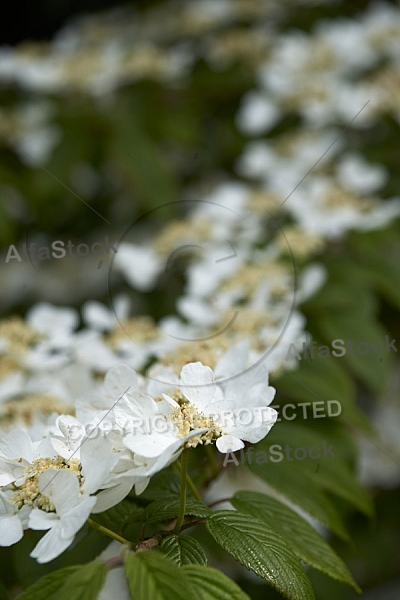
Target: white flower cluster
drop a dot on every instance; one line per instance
(54, 477)
(191, 375)
(325, 76)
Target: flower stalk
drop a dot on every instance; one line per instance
(182, 498)
(108, 532)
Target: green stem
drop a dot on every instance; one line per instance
(108, 532)
(190, 483)
(182, 503)
(193, 488)
(213, 462)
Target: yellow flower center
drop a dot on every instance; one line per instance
(28, 494)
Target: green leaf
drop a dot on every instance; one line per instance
(323, 379)
(86, 547)
(48, 586)
(305, 542)
(211, 584)
(168, 508)
(258, 548)
(152, 576)
(358, 328)
(289, 481)
(118, 516)
(85, 583)
(333, 475)
(184, 550)
(3, 592)
(165, 482)
(140, 160)
(379, 250)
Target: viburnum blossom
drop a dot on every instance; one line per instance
(195, 411)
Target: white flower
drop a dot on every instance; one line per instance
(71, 512)
(11, 522)
(98, 317)
(196, 412)
(17, 453)
(358, 175)
(55, 322)
(140, 265)
(257, 114)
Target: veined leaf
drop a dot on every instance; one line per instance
(184, 550)
(211, 584)
(168, 508)
(305, 542)
(289, 481)
(48, 586)
(118, 516)
(85, 583)
(258, 548)
(152, 576)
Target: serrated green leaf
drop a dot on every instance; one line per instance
(85, 583)
(258, 548)
(48, 586)
(86, 547)
(168, 508)
(152, 576)
(211, 584)
(184, 550)
(165, 482)
(289, 481)
(305, 542)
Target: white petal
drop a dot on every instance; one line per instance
(39, 519)
(119, 380)
(50, 546)
(98, 460)
(108, 498)
(62, 449)
(75, 519)
(149, 445)
(229, 443)
(17, 444)
(122, 305)
(6, 508)
(140, 265)
(198, 381)
(48, 319)
(11, 385)
(140, 486)
(62, 487)
(71, 428)
(162, 380)
(257, 114)
(97, 316)
(258, 427)
(8, 474)
(10, 530)
(233, 361)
